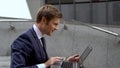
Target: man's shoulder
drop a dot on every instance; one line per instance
(24, 36)
(26, 33)
(23, 39)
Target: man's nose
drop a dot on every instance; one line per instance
(57, 28)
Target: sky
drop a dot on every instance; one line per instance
(14, 9)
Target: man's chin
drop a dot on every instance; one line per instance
(49, 34)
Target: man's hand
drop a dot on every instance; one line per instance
(52, 60)
(74, 58)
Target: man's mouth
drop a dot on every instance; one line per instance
(52, 31)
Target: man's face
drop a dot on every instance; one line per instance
(51, 26)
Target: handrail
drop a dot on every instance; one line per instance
(98, 28)
(104, 30)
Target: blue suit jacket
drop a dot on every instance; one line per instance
(26, 51)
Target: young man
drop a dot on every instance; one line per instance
(29, 49)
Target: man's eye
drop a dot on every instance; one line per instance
(55, 24)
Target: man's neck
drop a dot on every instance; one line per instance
(40, 27)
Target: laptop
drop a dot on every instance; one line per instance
(64, 64)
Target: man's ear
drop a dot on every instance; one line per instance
(43, 20)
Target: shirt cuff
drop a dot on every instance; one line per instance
(41, 65)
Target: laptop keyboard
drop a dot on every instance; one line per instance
(67, 65)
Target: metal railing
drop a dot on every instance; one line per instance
(97, 28)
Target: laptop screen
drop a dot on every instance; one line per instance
(85, 53)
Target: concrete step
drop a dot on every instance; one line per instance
(4, 61)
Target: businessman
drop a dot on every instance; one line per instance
(29, 49)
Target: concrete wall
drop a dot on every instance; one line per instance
(106, 48)
(7, 35)
(34, 5)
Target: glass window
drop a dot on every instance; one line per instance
(59, 1)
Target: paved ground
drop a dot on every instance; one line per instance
(4, 61)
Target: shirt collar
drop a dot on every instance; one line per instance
(37, 31)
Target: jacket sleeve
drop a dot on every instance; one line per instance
(20, 51)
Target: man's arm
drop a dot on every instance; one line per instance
(18, 61)
(20, 51)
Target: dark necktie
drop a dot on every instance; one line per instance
(44, 46)
(43, 42)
